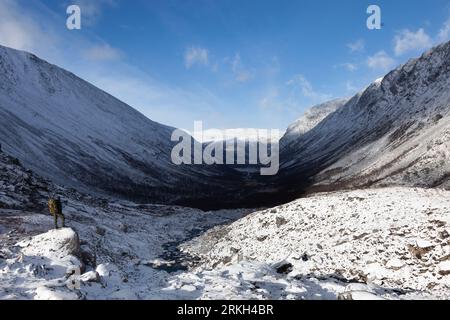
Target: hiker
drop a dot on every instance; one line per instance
(55, 208)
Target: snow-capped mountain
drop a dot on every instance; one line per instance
(311, 118)
(76, 134)
(240, 134)
(395, 132)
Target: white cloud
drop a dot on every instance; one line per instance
(357, 46)
(380, 60)
(241, 74)
(196, 56)
(19, 31)
(407, 40)
(40, 32)
(160, 102)
(306, 88)
(349, 66)
(350, 87)
(270, 98)
(444, 33)
(103, 52)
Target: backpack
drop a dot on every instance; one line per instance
(53, 206)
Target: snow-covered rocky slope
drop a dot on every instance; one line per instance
(395, 132)
(311, 118)
(74, 133)
(373, 244)
(394, 242)
(122, 249)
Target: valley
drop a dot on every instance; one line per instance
(359, 209)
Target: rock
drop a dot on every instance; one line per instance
(262, 238)
(395, 264)
(444, 268)
(280, 221)
(123, 227)
(100, 231)
(444, 234)
(103, 270)
(375, 271)
(189, 288)
(359, 295)
(420, 247)
(91, 276)
(361, 287)
(285, 268)
(423, 244)
(60, 243)
(88, 256)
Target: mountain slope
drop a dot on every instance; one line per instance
(311, 118)
(390, 241)
(74, 133)
(395, 132)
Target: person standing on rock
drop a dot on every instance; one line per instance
(55, 208)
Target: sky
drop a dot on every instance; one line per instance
(228, 63)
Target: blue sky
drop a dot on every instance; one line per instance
(230, 63)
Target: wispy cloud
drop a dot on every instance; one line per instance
(241, 74)
(103, 52)
(350, 87)
(381, 61)
(270, 99)
(19, 30)
(406, 41)
(40, 32)
(349, 66)
(357, 46)
(196, 56)
(444, 32)
(299, 82)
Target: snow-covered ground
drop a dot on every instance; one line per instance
(387, 243)
(394, 242)
(123, 250)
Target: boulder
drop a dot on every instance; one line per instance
(395, 264)
(55, 243)
(91, 276)
(359, 295)
(284, 268)
(280, 221)
(444, 268)
(420, 247)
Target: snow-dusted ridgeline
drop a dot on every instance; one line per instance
(76, 134)
(395, 132)
(311, 118)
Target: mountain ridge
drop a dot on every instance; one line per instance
(383, 134)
